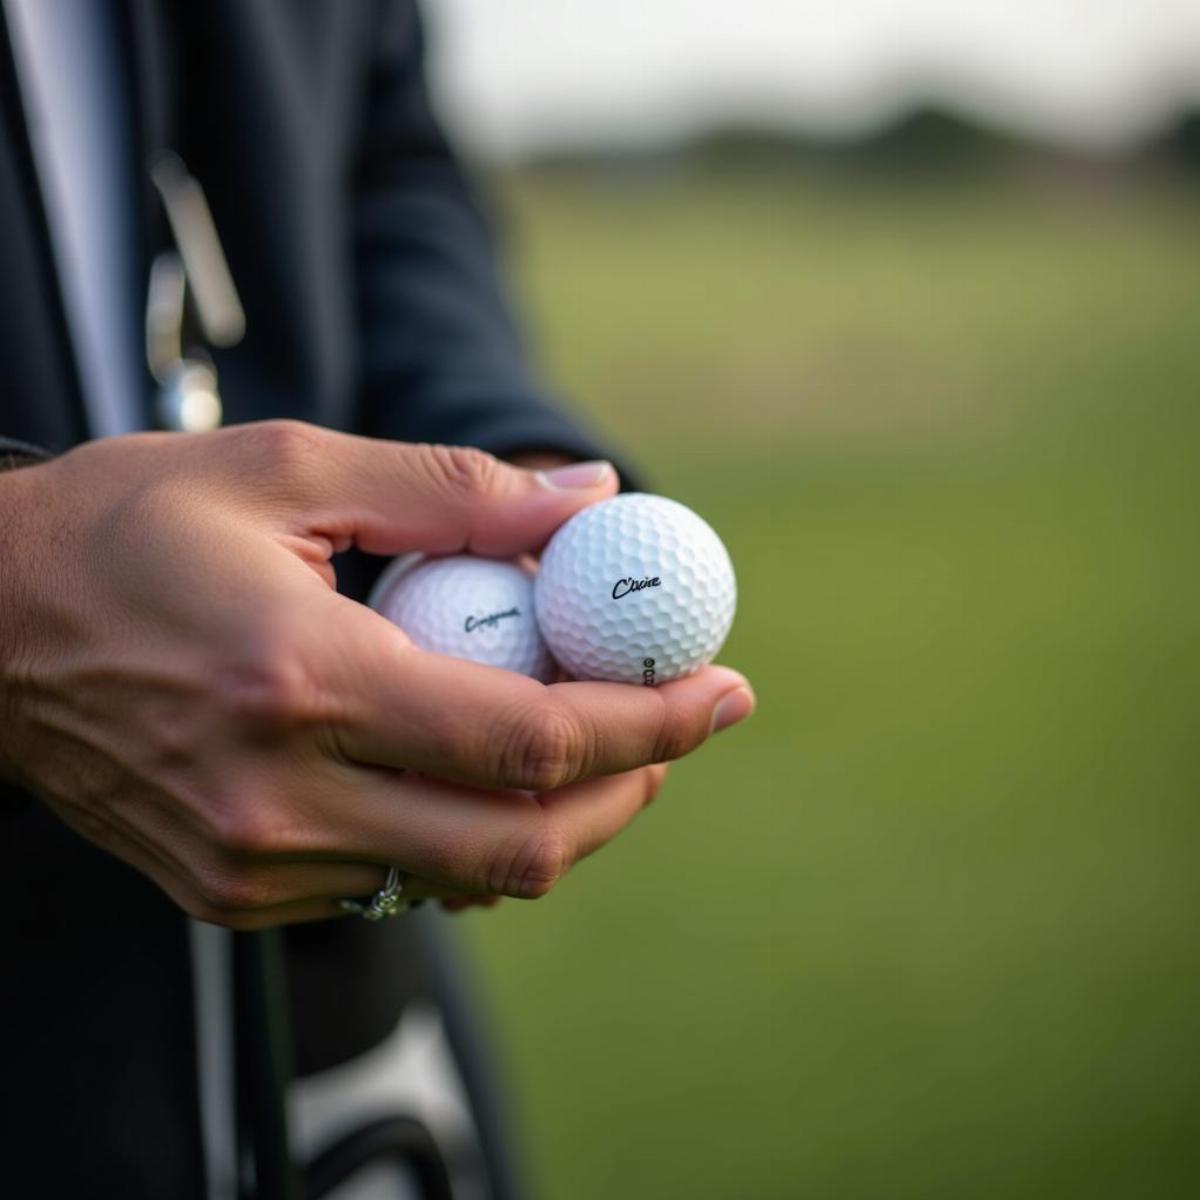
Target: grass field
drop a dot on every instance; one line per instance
(927, 926)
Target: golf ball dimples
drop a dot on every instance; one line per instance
(636, 589)
(473, 608)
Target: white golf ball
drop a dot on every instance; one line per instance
(473, 608)
(636, 589)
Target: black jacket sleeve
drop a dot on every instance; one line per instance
(19, 454)
(436, 326)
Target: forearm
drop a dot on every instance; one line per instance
(442, 356)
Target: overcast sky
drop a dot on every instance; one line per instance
(515, 75)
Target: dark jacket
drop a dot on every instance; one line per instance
(373, 305)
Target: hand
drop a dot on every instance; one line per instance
(181, 683)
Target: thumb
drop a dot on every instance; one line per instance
(390, 497)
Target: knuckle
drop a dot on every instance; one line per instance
(272, 688)
(467, 473)
(674, 738)
(247, 831)
(542, 749)
(535, 865)
(229, 892)
(292, 450)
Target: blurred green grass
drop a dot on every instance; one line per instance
(925, 927)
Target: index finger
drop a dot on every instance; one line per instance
(405, 707)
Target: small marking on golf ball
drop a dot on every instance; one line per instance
(636, 589)
(476, 609)
(490, 621)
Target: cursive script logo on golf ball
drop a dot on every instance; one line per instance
(632, 578)
(490, 621)
(625, 587)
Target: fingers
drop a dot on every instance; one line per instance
(388, 497)
(406, 708)
(250, 895)
(591, 814)
(462, 847)
(292, 893)
(264, 895)
(472, 842)
(454, 843)
(325, 910)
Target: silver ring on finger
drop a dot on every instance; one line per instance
(387, 902)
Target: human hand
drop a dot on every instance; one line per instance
(181, 683)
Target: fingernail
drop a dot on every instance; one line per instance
(576, 475)
(731, 709)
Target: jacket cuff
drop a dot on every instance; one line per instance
(549, 433)
(15, 454)
(504, 426)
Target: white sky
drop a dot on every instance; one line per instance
(516, 75)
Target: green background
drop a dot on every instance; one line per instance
(926, 926)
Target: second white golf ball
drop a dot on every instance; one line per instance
(636, 589)
(478, 609)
